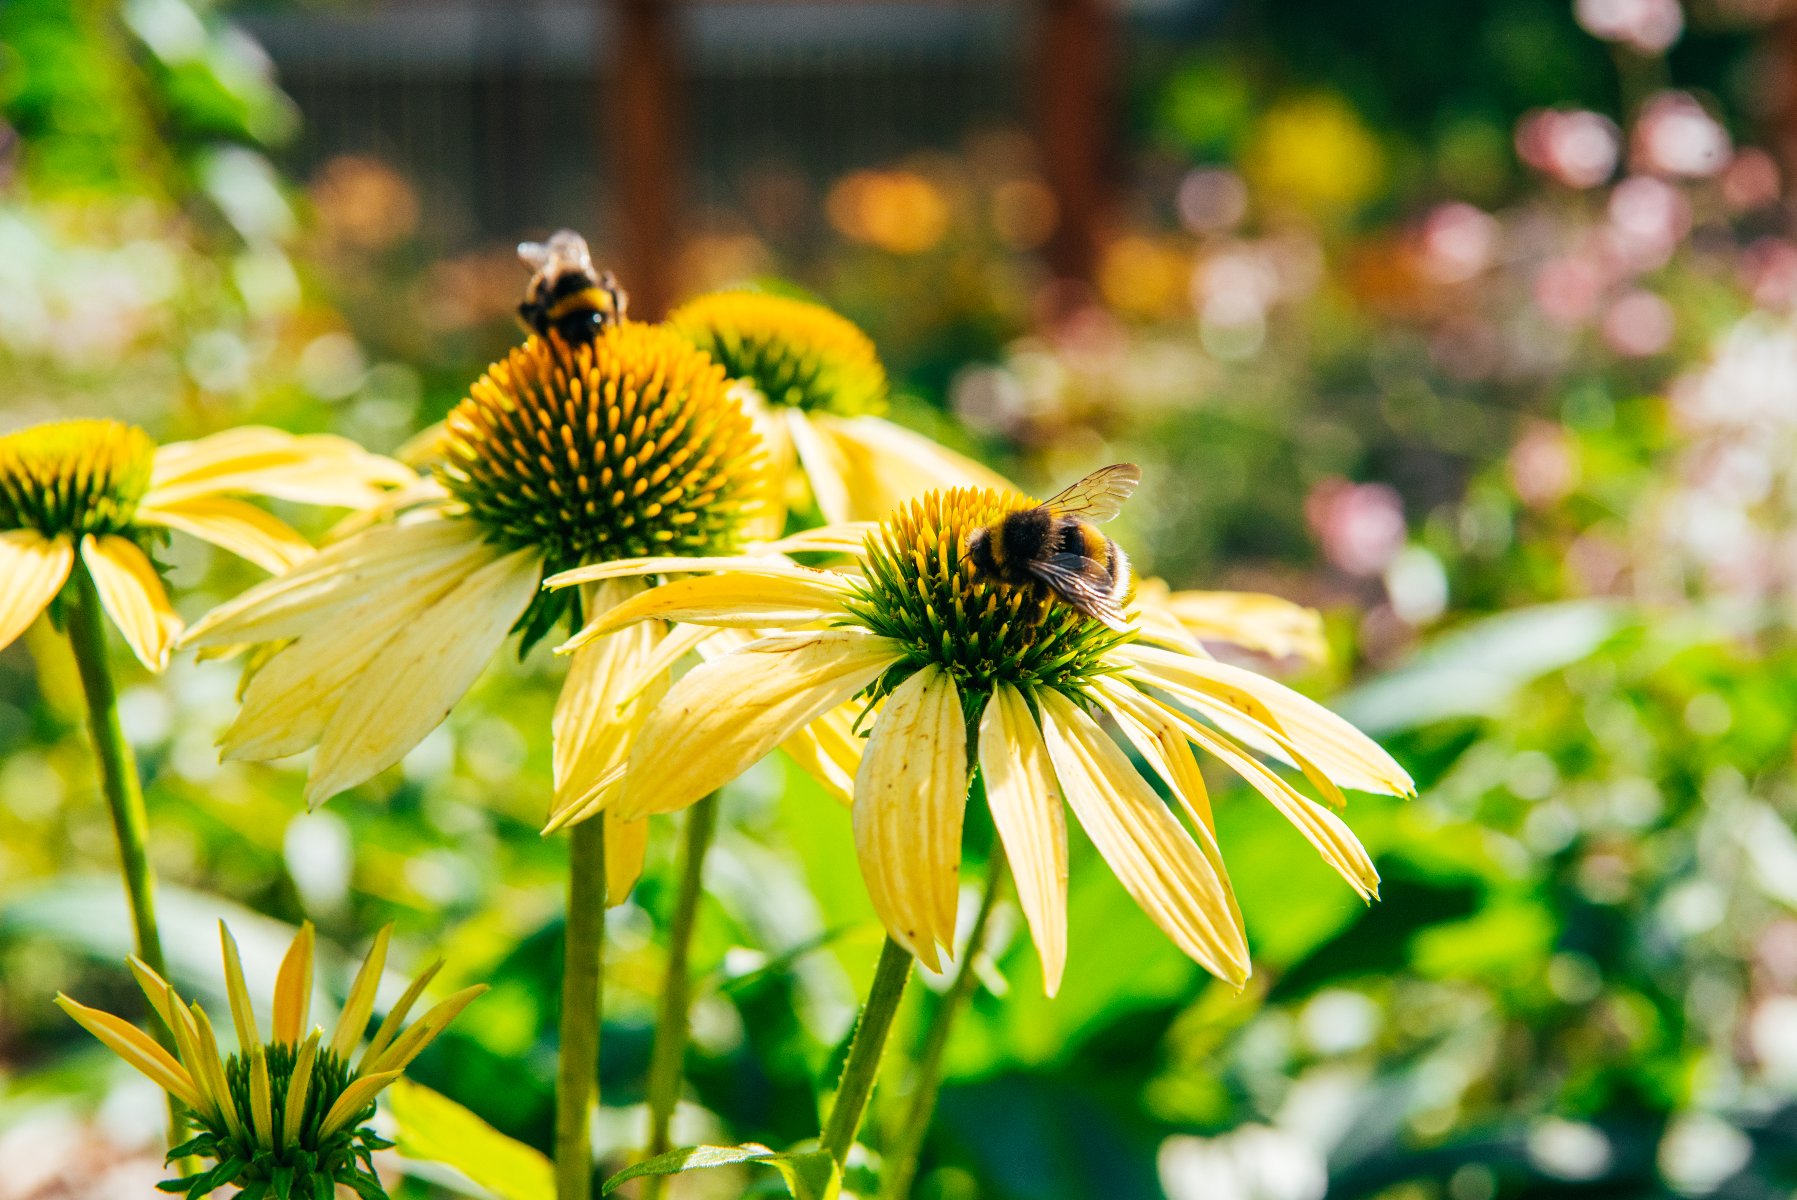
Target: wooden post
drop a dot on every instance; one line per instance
(1075, 97)
(639, 111)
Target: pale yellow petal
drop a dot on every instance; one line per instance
(155, 988)
(825, 470)
(676, 644)
(1255, 621)
(409, 687)
(137, 1048)
(241, 528)
(1151, 853)
(262, 1094)
(724, 715)
(315, 593)
(830, 750)
(243, 1012)
(732, 599)
(133, 596)
(293, 986)
(412, 1043)
(216, 1085)
(308, 468)
(631, 568)
(891, 464)
(1322, 828)
(849, 537)
(626, 846)
(33, 569)
(294, 1111)
(292, 696)
(910, 798)
(396, 1017)
(352, 1023)
(595, 722)
(1026, 808)
(1269, 713)
(354, 1099)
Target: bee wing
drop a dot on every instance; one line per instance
(1066, 574)
(1100, 495)
(565, 251)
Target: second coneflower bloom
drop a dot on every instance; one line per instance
(819, 391)
(286, 1117)
(102, 492)
(560, 455)
(951, 671)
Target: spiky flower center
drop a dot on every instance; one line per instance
(922, 589)
(796, 354)
(628, 446)
(74, 477)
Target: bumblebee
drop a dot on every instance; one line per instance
(1057, 543)
(565, 293)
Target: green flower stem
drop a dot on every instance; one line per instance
(863, 1065)
(667, 1056)
(901, 1160)
(119, 780)
(577, 1074)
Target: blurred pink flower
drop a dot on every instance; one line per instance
(1458, 242)
(1751, 180)
(1212, 200)
(1648, 219)
(1675, 135)
(1567, 288)
(1639, 325)
(1543, 465)
(1578, 148)
(1360, 525)
(1769, 272)
(1650, 26)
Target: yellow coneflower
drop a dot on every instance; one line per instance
(101, 490)
(937, 659)
(288, 1117)
(559, 455)
(819, 391)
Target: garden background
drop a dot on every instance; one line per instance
(1472, 323)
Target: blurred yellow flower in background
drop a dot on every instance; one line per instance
(1313, 152)
(101, 489)
(953, 669)
(819, 391)
(286, 1117)
(898, 211)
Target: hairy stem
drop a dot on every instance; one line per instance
(865, 1049)
(577, 1074)
(901, 1160)
(667, 1056)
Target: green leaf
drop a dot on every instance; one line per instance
(808, 1175)
(437, 1129)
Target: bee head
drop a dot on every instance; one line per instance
(979, 548)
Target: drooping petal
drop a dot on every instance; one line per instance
(137, 1048)
(33, 569)
(409, 687)
(1270, 625)
(626, 846)
(1322, 828)
(594, 722)
(910, 798)
(890, 464)
(1026, 807)
(255, 460)
(830, 750)
(1153, 856)
(724, 715)
(293, 986)
(734, 599)
(291, 697)
(316, 591)
(825, 469)
(1271, 713)
(133, 596)
(359, 1005)
(241, 528)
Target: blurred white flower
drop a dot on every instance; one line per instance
(1255, 1162)
(1649, 26)
(1575, 147)
(1700, 1152)
(1675, 135)
(1569, 1149)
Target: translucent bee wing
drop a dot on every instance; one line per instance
(564, 251)
(1084, 584)
(1100, 495)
